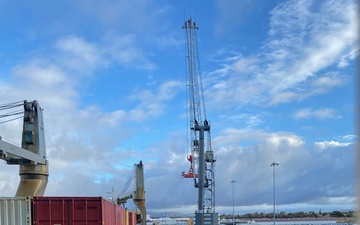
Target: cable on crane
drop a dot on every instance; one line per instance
(188, 123)
(11, 114)
(11, 105)
(6, 107)
(200, 76)
(129, 180)
(1, 122)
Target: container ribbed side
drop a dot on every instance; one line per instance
(15, 211)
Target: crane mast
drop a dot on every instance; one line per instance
(202, 160)
(138, 195)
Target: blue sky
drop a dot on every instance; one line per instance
(279, 85)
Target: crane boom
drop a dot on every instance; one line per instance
(13, 154)
(202, 159)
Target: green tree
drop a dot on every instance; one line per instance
(337, 214)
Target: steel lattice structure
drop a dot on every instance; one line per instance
(202, 157)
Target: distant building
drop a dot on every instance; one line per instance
(169, 221)
(294, 221)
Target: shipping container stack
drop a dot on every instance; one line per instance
(63, 210)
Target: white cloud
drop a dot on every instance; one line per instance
(79, 54)
(114, 48)
(297, 161)
(44, 81)
(324, 84)
(153, 103)
(78, 138)
(350, 137)
(292, 140)
(125, 49)
(344, 61)
(340, 200)
(246, 65)
(225, 54)
(324, 45)
(325, 113)
(76, 53)
(330, 144)
(40, 73)
(231, 136)
(283, 97)
(305, 39)
(250, 120)
(329, 81)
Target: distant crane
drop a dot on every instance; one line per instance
(201, 158)
(138, 195)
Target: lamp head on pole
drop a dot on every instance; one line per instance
(274, 164)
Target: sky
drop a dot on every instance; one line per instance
(279, 85)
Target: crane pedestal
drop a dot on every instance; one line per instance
(33, 180)
(206, 218)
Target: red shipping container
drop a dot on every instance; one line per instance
(122, 216)
(132, 218)
(76, 211)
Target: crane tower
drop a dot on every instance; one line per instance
(201, 158)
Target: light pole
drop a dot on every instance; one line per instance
(273, 165)
(233, 182)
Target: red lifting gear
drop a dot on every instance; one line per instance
(191, 171)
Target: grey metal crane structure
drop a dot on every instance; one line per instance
(31, 157)
(202, 158)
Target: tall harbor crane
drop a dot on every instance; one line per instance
(31, 157)
(201, 158)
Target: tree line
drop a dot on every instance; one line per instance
(283, 214)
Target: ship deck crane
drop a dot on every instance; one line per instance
(31, 157)
(138, 195)
(202, 159)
